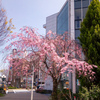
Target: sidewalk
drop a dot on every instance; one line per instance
(18, 90)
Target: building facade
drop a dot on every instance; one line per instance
(62, 20)
(80, 9)
(51, 23)
(69, 20)
(70, 17)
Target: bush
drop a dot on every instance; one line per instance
(1, 88)
(10, 87)
(63, 94)
(95, 92)
(92, 93)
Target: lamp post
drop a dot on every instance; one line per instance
(3, 80)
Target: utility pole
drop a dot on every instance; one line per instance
(32, 83)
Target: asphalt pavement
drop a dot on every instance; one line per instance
(25, 95)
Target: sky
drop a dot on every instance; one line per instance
(30, 13)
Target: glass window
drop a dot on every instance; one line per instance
(85, 3)
(77, 33)
(77, 40)
(63, 28)
(62, 20)
(77, 0)
(77, 13)
(84, 12)
(77, 24)
(77, 4)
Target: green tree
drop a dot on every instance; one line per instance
(90, 36)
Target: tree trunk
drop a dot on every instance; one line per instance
(55, 88)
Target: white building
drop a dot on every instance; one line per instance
(51, 23)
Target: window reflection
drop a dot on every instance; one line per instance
(80, 12)
(84, 12)
(77, 33)
(77, 13)
(85, 3)
(77, 4)
(77, 0)
(77, 24)
(62, 20)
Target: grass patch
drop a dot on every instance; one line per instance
(10, 87)
(1, 95)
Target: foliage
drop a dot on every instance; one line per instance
(90, 33)
(95, 92)
(20, 66)
(92, 93)
(52, 54)
(90, 38)
(84, 94)
(1, 88)
(10, 87)
(64, 94)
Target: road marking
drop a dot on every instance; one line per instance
(17, 91)
(7, 92)
(14, 91)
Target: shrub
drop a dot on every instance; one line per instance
(92, 93)
(1, 88)
(63, 94)
(95, 92)
(10, 87)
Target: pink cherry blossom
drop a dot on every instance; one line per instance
(52, 54)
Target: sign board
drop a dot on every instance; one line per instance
(78, 83)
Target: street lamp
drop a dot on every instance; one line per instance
(3, 80)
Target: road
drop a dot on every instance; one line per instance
(24, 96)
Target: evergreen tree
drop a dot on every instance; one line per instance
(90, 36)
